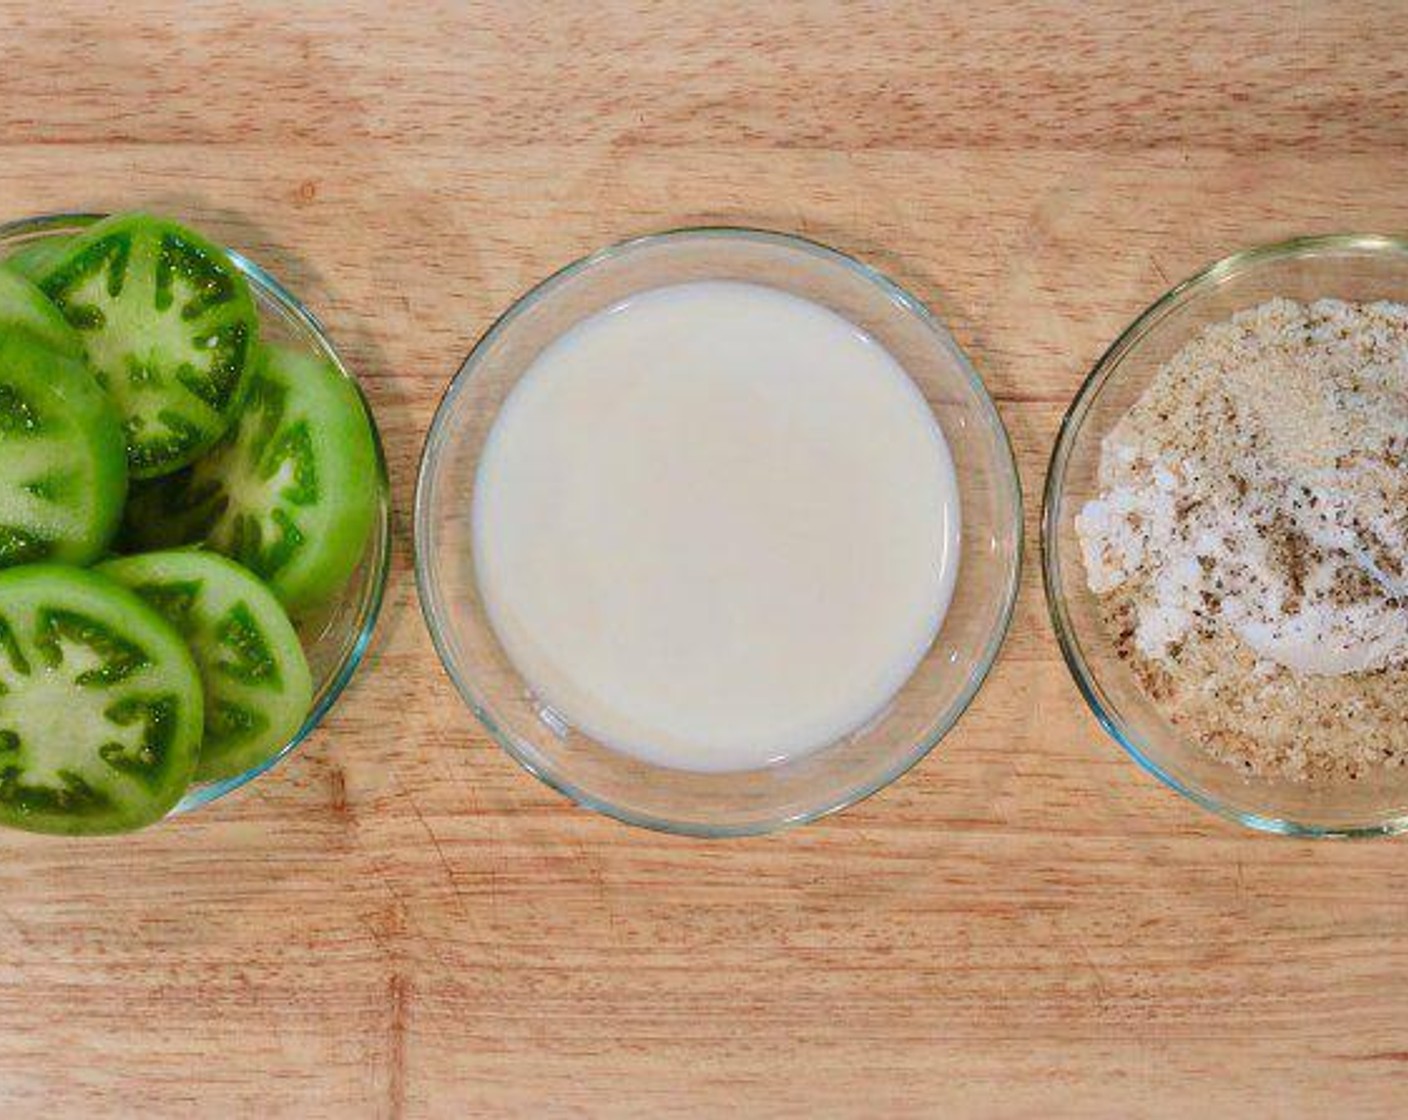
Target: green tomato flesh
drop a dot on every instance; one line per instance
(100, 705)
(258, 688)
(63, 468)
(25, 307)
(32, 259)
(291, 492)
(169, 326)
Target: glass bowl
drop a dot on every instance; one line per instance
(1352, 267)
(336, 636)
(803, 788)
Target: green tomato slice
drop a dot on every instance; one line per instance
(63, 469)
(169, 326)
(100, 705)
(292, 490)
(258, 688)
(32, 259)
(25, 307)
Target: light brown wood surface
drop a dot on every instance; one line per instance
(398, 921)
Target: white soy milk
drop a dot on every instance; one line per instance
(715, 526)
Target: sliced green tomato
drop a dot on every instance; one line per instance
(63, 470)
(100, 705)
(25, 307)
(257, 685)
(169, 327)
(32, 259)
(292, 490)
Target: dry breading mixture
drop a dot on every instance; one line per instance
(1250, 542)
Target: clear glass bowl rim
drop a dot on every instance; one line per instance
(433, 611)
(1104, 711)
(199, 796)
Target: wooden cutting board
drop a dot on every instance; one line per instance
(399, 922)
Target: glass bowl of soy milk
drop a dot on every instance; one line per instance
(717, 531)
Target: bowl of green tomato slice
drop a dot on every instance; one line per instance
(194, 522)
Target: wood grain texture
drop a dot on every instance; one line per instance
(398, 922)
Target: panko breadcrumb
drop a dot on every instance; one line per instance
(1250, 540)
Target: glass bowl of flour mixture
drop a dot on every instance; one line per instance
(1225, 537)
(717, 531)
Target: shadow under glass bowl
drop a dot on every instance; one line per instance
(336, 636)
(1351, 267)
(805, 787)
